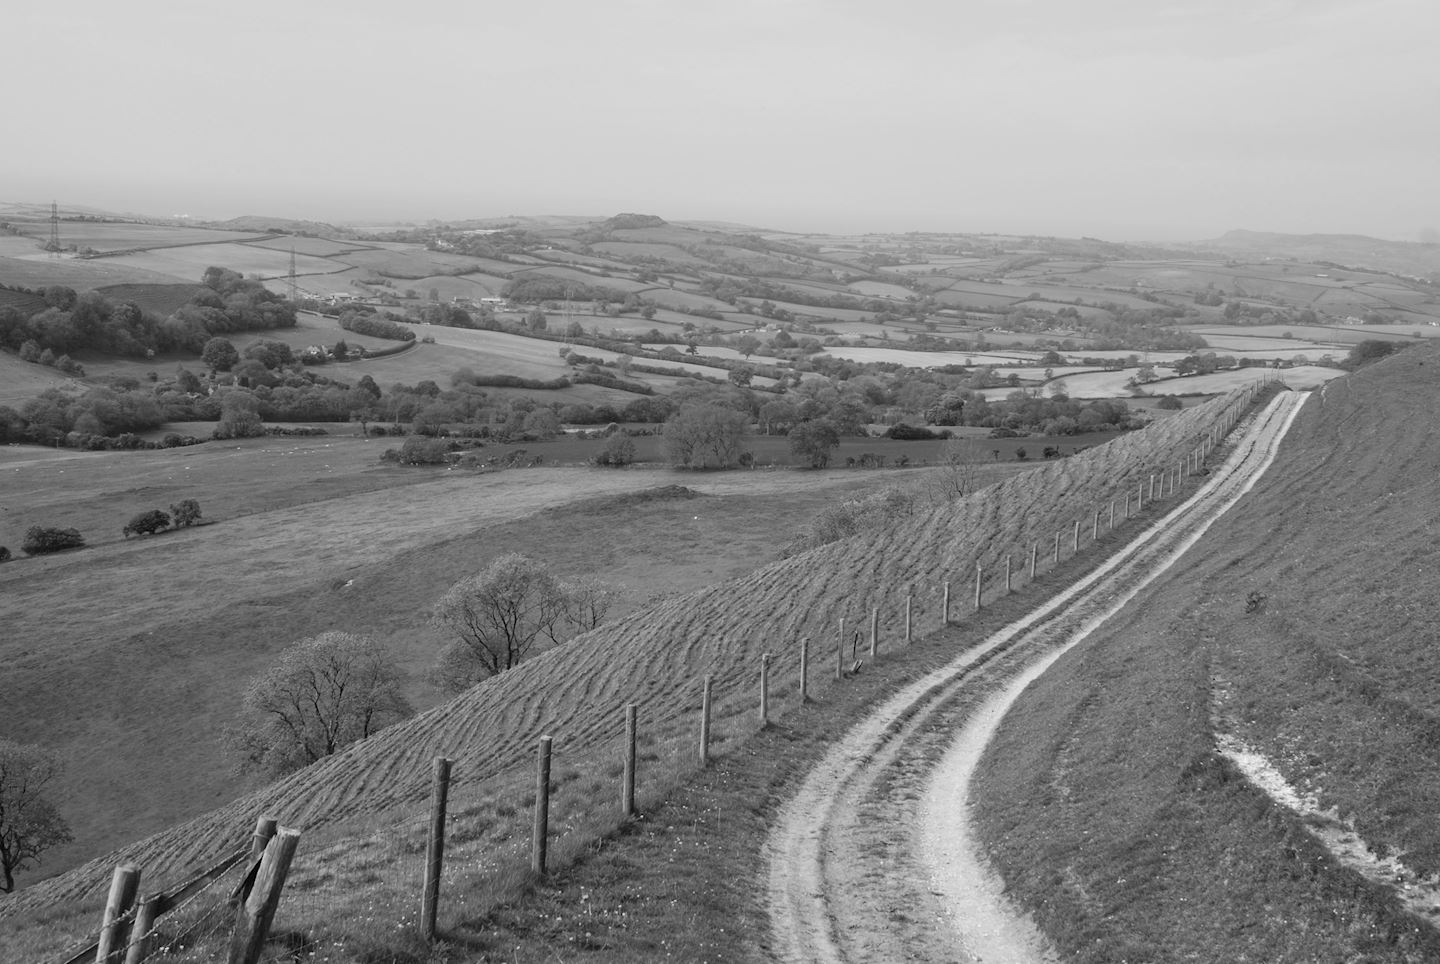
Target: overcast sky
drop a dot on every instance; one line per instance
(1122, 119)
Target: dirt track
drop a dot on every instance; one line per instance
(873, 859)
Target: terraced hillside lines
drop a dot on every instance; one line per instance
(656, 656)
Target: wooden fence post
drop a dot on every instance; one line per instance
(435, 846)
(1075, 539)
(1057, 549)
(264, 830)
(945, 607)
(1095, 528)
(804, 669)
(840, 651)
(627, 782)
(146, 913)
(252, 920)
(1034, 552)
(1152, 486)
(1007, 575)
(979, 574)
(909, 613)
(115, 925)
(705, 720)
(874, 631)
(540, 834)
(1112, 513)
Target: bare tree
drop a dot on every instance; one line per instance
(587, 602)
(324, 693)
(510, 609)
(29, 824)
(959, 472)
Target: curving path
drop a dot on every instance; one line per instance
(873, 858)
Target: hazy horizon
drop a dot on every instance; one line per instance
(1120, 119)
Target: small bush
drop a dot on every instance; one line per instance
(4, 554)
(42, 539)
(618, 451)
(419, 450)
(147, 523)
(1170, 403)
(913, 433)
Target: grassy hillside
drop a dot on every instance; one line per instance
(655, 656)
(308, 535)
(1300, 624)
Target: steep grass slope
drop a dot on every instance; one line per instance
(1303, 623)
(655, 658)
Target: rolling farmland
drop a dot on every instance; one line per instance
(658, 651)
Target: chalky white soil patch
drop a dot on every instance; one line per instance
(1420, 895)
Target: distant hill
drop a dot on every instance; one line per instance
(253, 222)
(1409, 258)
(629, 222)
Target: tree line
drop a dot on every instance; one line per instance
(70, 322)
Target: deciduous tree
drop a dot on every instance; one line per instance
(813, 441)
(29, 824)
(239, 416)
(186, 513)
(323, 694)
(705, 435)
(219, 355)
(512, 608)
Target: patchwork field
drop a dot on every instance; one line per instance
(316, 534)
(409, 262)
(930, 359)
(1300, 378)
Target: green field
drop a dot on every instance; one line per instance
(38, 270)
(189, 263)
(21, 381)
(163, 300)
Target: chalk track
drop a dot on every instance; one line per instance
(873, 858)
